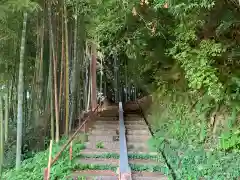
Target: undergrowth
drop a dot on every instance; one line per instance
(33, 168)
(183, 134)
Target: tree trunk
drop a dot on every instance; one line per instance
(73, 110)
(67, 72)
(1, 137)
(20, 95)
(54, 72)
(6, 118)
(50, 95)
(93, 72)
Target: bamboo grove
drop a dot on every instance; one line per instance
(183, 47)
(45, 70)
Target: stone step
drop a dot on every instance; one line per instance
(137, 132)
(107, 119)
(134, 120)
(94, 151)
(131, 118)
(109, 113)
(115, 162)
(148, 176)
(110, 175)
(103, 138)
(116, 122)
(115, 145)
(115, 126)
(103, 132)
(130, 138)
(136, 127)
(114, 132)
(139, 138)
(95, 175)
(106, 126)
(132, 115)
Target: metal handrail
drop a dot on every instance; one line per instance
(125, 170)
(68, 142)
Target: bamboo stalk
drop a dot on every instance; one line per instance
(54, 73)
(49, 160)
(1, 136)
(20, 94)
(67, 72)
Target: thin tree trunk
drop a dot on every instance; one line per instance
(67, 72)
(89, 85)
(93, 77)
(54, 73)
(20, 95)
(40, 75)
(50, 96)
(86, 81)
(72, 117)
(1, 137)
(6, 118)
(62, 65)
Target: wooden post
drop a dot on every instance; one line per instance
(48, 169)
(93, 71)
(166, 5)
(84, 127)
(70, 151)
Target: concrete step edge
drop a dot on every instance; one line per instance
(115, 162)
(103, 151)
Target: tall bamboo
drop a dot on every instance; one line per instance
(6, 118)
(20, 94)
(66, 71)
(62, 64)
(73, 113)
(54, 73)
(50, 95)
(1, 137)
(93, 76)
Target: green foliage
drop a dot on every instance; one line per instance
(182, 133)
(191, 48)
(100, 145)
(197, 64)
(173, 115)
(191, 162)
(230, 140)
(32, 168)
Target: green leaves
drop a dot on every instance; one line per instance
(32, 168)
(21, 5)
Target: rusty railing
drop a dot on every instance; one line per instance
(83, 125)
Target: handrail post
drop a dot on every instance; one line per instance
(70, 151)
(125, 170)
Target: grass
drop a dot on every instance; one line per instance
(100, 145)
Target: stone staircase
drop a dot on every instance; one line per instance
(102, 148)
